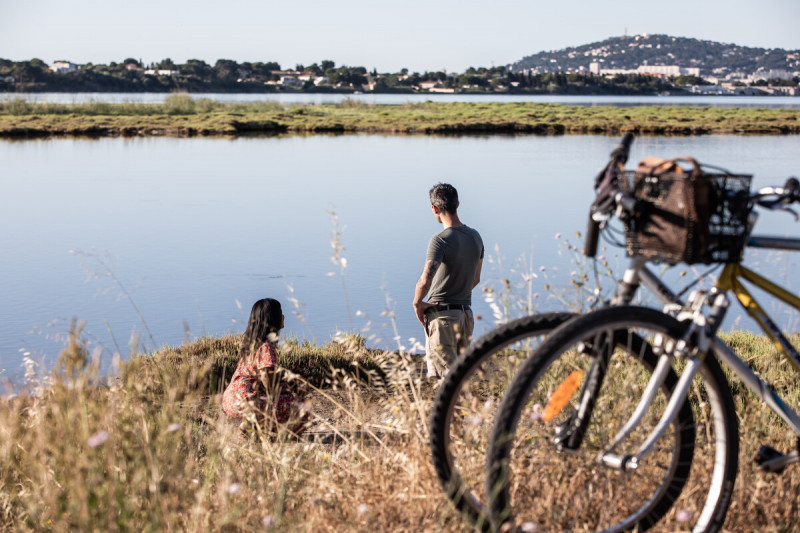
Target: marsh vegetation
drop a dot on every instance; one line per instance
(182, 115)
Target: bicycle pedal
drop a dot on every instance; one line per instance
(771, 460)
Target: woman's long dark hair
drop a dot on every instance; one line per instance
(265, 318)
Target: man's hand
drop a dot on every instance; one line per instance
(420, 308)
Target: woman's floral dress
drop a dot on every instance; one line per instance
(246, 387)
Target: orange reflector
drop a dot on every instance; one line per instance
(562, 395)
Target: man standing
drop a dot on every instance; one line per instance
(452, 269)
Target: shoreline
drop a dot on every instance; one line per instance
(181, 116)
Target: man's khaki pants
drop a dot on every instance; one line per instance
(447, 334)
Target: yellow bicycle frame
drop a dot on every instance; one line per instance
(731, 280)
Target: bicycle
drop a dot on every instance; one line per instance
(464, 400)
(617, 411)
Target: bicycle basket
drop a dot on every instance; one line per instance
(695, 216)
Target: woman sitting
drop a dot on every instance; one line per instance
(256, 393)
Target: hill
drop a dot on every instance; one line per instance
(629, 52)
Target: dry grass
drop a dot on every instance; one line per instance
(150, 450)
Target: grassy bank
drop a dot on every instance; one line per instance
(180, 115)
(151, 452)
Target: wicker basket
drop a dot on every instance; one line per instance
(697, 217)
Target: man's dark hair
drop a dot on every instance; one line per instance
(444, 197)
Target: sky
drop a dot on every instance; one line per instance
(388, 35)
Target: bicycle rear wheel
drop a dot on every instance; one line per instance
(688, 478)
(466, 402)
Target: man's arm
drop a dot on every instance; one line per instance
(422, 288)
(478, 274)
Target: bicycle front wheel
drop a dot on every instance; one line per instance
(466, 403)
(543, 474)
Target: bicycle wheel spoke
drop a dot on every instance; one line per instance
(531, 480)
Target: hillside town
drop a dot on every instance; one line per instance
(721, 80)
(635, 65)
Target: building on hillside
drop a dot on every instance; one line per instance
(711, 90)
(668, 70)
(162, 72)
(63, 67)
(290, 82)
(773, 74)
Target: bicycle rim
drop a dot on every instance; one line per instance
(466, 402)
(684, 483)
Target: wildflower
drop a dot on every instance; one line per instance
(268, 521)
(97, 439)
(233, 488)
(558, 235)
(542, 268)
(362, 509)
(528, 527)
(683, 515)
(601, 258)
(172, 428)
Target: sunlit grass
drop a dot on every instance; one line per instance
(151, 450)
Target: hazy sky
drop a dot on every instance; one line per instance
(384, 34)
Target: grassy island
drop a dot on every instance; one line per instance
(183, 116)
(149, 449)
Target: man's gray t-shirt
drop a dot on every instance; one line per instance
(458, 250)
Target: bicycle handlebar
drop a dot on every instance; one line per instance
(608, 195)
(778, 197)
(606, 187)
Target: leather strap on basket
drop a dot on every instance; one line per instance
(654, 166)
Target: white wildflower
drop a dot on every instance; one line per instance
(97, 439)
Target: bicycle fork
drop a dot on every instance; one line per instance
(692, 347)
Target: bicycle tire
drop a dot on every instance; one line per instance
(447, 397)
(554, 493)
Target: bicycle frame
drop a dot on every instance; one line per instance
(730, 280)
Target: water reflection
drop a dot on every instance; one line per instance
(197, 229)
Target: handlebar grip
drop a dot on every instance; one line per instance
(620, 152)
(592, 234)
(793, 186)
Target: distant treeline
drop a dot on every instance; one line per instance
(226, 75)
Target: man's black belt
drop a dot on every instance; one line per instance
(448, 307)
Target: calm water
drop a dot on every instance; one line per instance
(189, 230)
(397, 99)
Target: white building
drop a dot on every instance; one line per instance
(290, 81)
(162, 72)
(774, 74)
(62, 67)
(668, 70)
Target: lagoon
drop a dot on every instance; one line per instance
(192, 231)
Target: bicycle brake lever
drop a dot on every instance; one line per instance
(792, 212)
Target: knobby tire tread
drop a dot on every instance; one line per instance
(441, 415)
